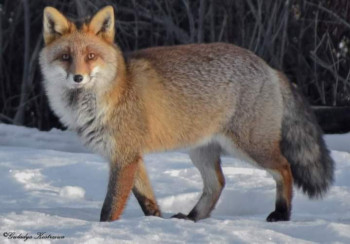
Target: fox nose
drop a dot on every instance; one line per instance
(78, 78)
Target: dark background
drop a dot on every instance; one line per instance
(307, 40)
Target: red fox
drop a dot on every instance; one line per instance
(213, 99)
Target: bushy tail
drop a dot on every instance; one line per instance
(303, 146)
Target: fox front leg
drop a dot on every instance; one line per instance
(143, 191)
(121, 181)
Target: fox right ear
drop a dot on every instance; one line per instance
(55, 24)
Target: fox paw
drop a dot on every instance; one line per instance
(181, 216)
(278, 216)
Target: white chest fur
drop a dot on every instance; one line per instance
(78, 110)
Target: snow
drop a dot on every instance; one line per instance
(51, 184)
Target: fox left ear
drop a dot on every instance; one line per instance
(102, 24)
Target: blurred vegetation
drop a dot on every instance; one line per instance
(308, 40)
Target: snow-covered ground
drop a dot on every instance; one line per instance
(50, 183)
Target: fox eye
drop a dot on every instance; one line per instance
(91, 56)
(65, 57)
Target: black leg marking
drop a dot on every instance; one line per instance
(181, 216)
(191, 216)
(281, 213)
(149, 207)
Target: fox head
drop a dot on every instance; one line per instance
(84, 57)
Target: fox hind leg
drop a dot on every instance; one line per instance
(207, 161)
(267, 154)
(275, 163)
(284, 191)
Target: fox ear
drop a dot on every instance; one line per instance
(55, 24)
(102, 24)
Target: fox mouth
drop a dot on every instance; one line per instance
(79, 85)
(76, 86)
